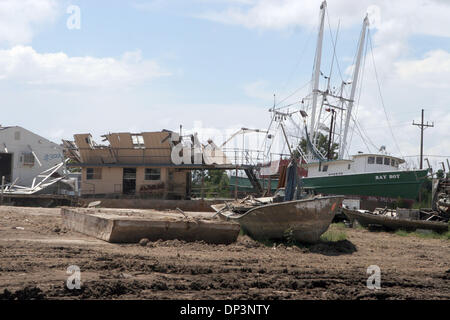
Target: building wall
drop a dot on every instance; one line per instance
(17, 141)
(110, 182)
(171, 183)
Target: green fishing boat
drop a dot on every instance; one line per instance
(374, 175)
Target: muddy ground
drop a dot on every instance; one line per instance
(34, 262)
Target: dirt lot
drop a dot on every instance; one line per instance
(34, 262)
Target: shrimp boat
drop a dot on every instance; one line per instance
(302, 220)
(329, 112)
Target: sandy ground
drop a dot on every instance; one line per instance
(34, 262)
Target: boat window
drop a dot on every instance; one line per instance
(387, 161)
(325, 168)
(393, 162)
(349, 165)
(379, 160)
(371, 160)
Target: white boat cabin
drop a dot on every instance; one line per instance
(360, 163)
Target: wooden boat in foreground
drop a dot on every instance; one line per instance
(304, 220)
(366, 218)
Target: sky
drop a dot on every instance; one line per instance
(213, 66)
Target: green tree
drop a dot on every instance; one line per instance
(73, 169)
(322, 146)
(215, 183)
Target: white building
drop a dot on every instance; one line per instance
(24, 155)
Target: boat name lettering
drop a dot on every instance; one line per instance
(336, 174)
(386, 176)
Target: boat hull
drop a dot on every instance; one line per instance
(403, 184)
(366, 219)
(303, 220)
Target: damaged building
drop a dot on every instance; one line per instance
(131, 164)
(28, 160)
(24, 155)
(144, 165)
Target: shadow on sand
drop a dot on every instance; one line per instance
(332, 248)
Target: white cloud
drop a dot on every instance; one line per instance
(24, 65)
(419, 16)
(258, 90)
(20, 20)
(433, 71)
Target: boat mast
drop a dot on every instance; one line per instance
(317, 64)
(362, 41)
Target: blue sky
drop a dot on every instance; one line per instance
(150, 65)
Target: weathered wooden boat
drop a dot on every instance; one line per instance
(367, 218)
(303, 220)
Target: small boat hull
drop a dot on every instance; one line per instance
(304, 220)
(366, 219)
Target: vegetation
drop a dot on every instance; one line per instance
(424, 235)
(73, 169)
(216, 183)
(440, 174)
(322, 146)
(333, 236)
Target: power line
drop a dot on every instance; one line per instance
(381, 96)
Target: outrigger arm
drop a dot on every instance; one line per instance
(354, 85)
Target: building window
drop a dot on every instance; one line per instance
(379, 160)
(94, 173)
(387, 161)
(371, 160)
(152, 174)
(28, 159)
(138, 141)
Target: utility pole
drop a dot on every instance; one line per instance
(422, 127)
